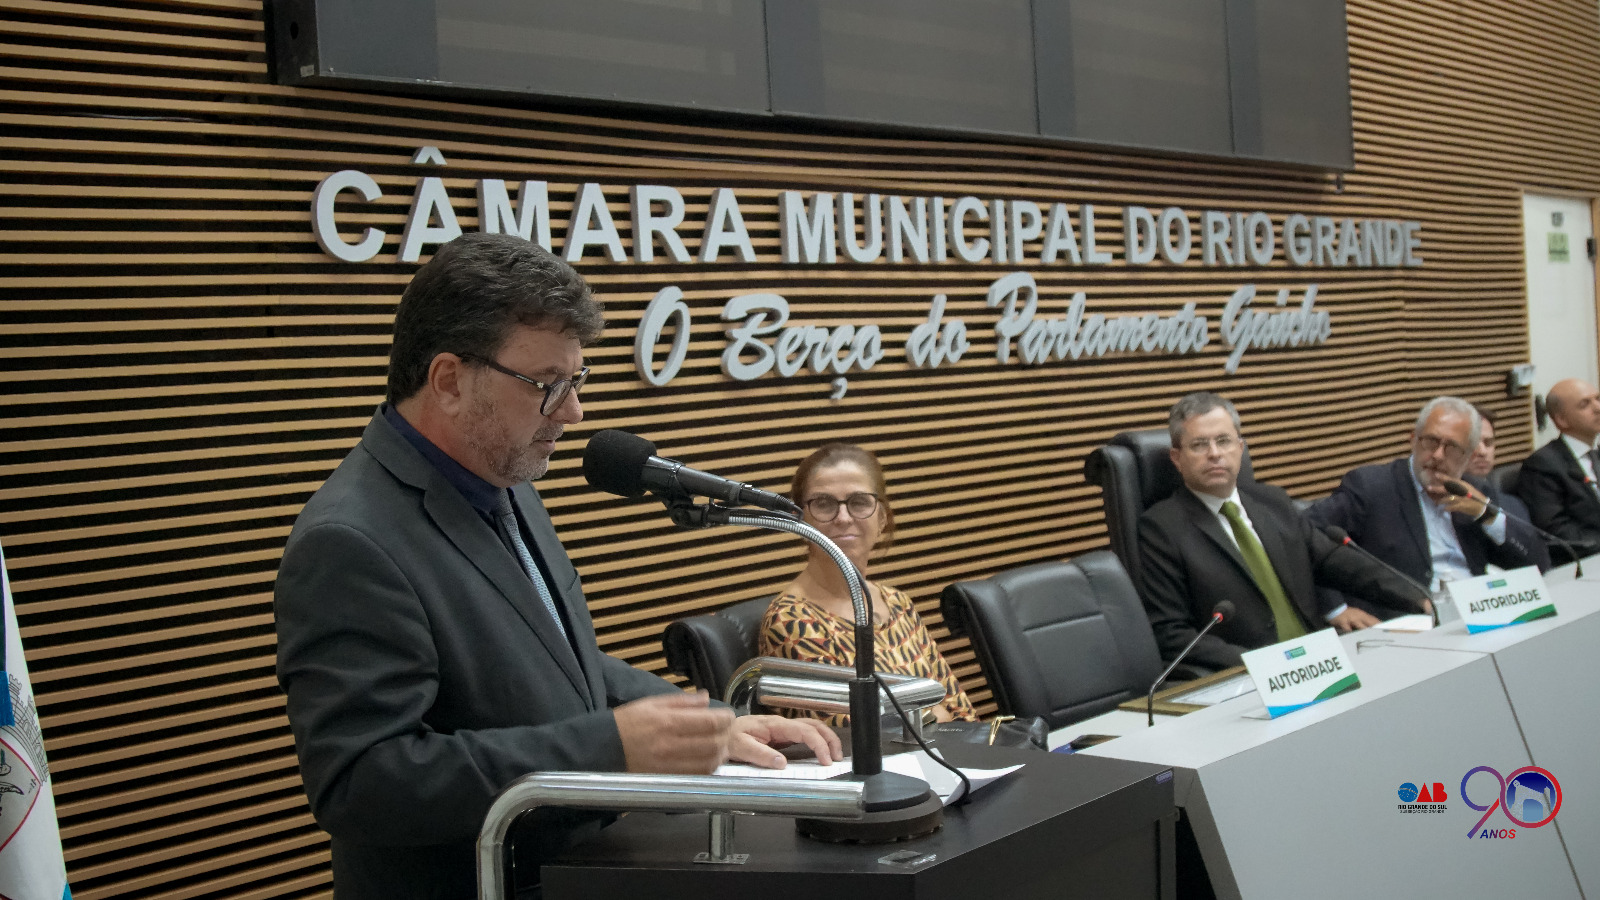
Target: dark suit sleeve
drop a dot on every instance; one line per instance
(357, 658)
(1345, 507)
(1514, 505)
(1522, 546)
(625, 683)
(1351, 572)
(1167, 601)
(1542, 487)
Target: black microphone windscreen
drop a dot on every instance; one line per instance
(614, 462)
(1454, 487)
(1337, 533)
(1223, 609)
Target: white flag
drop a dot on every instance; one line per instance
(31, 864)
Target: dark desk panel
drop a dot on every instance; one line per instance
(1063, 827)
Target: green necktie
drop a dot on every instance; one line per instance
(1255, 557)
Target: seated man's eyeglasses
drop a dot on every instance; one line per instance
(1202, 446)
(555, 392)
(826, 509)
(1429, 445)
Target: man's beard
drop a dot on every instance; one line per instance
(491, 440)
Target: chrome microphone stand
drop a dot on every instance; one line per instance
(897, 807)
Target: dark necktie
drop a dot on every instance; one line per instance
(1594, 466)
(1255, 557)
(508, 522)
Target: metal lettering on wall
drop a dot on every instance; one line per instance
(822, 229)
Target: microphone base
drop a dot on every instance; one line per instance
(898, 808)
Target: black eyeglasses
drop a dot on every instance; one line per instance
(555, 393)
(826, 509)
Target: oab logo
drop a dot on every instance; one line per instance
(1422, 799)
(1530, 797)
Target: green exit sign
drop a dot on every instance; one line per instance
(1558, 246)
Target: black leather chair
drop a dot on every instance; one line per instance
(1063, 640)
(1504, 477)
(708, 649)
(1133, 472)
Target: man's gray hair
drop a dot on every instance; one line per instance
(1458, 406)
(1198, 404)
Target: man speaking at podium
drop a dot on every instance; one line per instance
(433, 638)
(1217, 538)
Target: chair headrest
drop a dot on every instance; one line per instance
(1158, 477)
(1504, 477)
(746, 617)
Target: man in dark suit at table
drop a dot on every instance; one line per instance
(1559, 481)
(1217, 538)
(1401, 511)
(433, 638)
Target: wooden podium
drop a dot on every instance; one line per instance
(1064, 826)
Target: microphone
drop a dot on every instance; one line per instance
(627, 465)
(1460, 490)
(1219, 612)
(1343, 537)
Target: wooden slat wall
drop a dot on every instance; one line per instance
(182, 366)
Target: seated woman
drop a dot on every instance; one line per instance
(842, 490)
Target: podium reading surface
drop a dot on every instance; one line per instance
(1061, 827)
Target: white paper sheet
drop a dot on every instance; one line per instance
(804, 770)
(944, 782)
(915, 765)
(1212, 694)
(1414, 622)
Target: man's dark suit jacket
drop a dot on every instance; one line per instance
(1378, 505)
(424, 674)
(1551, 483)
(1191, 564)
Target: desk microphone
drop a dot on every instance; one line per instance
(1343, 537)
(1460, 490)
(1219, 612)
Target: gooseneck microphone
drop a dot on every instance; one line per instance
(1460, 490)
(1343, 537)
(897, 807)
(625, 464)
(1219, 612)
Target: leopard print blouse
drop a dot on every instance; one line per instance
(796, 628)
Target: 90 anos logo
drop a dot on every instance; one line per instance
(1530, 797)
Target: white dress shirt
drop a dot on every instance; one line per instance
(1214, 503)
(1581, 451)
(1444, 545)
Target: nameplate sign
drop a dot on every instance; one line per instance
(1295, 674)
(1504, 598)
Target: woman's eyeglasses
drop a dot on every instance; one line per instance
(826, 509)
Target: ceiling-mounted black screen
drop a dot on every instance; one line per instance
(1256, 79)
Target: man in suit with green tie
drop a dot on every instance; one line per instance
(1219, 538)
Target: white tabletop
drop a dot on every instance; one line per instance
(1306, 805)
